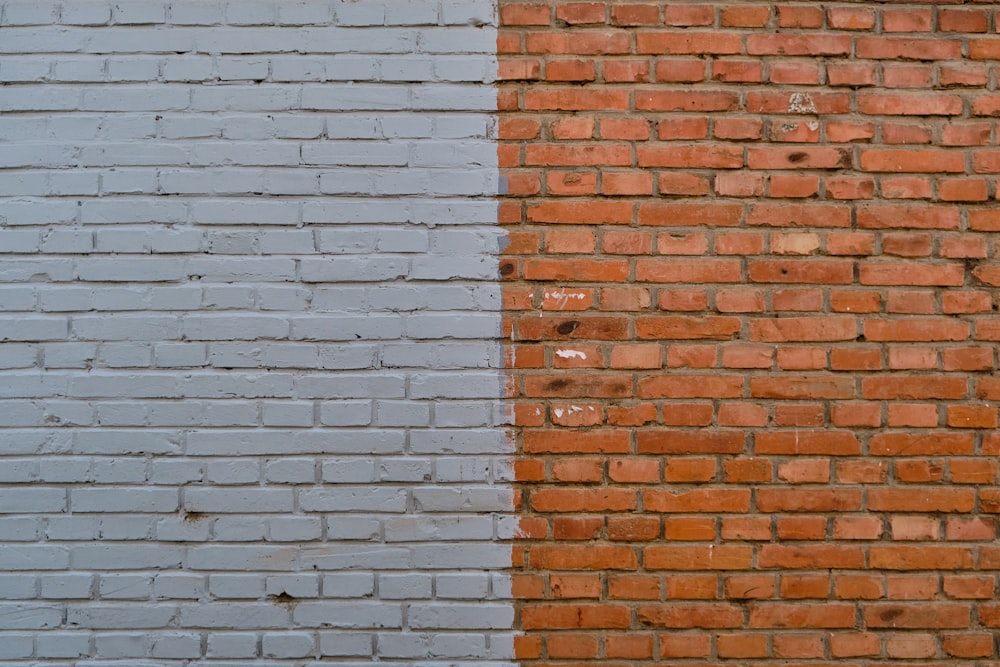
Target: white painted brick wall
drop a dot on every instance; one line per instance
(249, 318)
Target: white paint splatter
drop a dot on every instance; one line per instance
(801, 103)
(563, 297)
(570, 354)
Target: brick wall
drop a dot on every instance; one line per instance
(249, 366)
(750, 298)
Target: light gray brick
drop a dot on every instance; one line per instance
(171, 585)
(127, 327)
(294, 529)
(291, 471)
(283, 298)
(33, 499)
(294, 585)
(353, 357)
(20, 529)
(63, 644)
(122, 471)
(465, 616)
(347, 615)
(18, 586)
(245, 471)
(247, 69)
(351, 528)
(404, 470)
(234, 327)
(304, 13)
(120, 616)
(18, 241)
(402, 413)
(236, 586)
(124, 500)
(238, 529)
(450, 414)
(176, 471)
(288, 645)
(345, 644)
(125, 587)
(348, 470)
(185, 529)
(360, 97)
(424, 528)
(235, 615)
(223, 297)
(86, 13)
(405, 586)
(126, 528)
(444, 499)
(30, 13)
(176, 646)
(288, 242)
(432, 646)
(352, 386)
(472, 556)
(462, 469)
(73, 528)
(216, 500)
(17, 298)
(197, 12)
(132, 12)
(459, 441)
(40, 212)
(354, 499)
(29, 616)
(231, 645)
(359, 13)
(288, 414)
(23, 470)
(471, 12)
(348, 585)
(462, 586)
(126, 556)
(250, 12)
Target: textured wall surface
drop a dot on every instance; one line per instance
(250, 368)
(752, 285)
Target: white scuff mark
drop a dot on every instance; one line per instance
(573, 409)
(538, 411)
(563, 297)
(570, 354)
(800, 103)
(812, 125)
(558, 412)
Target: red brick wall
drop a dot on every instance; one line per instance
(750, 302)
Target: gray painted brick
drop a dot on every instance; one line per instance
(294, 529)
(253, 301)
(232, 645)
(63, 645)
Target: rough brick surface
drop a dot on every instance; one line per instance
(750, 297)
(249, 357)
